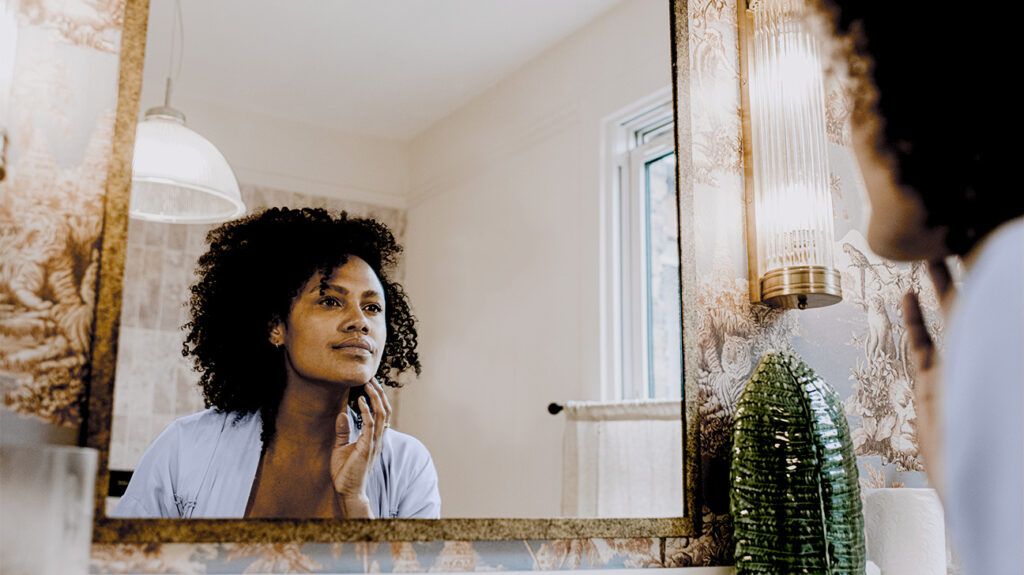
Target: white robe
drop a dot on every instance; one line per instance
(203, 466)
(982, 407)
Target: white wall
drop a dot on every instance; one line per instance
(503, 260)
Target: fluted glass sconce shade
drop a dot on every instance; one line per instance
(793, 233)
(178, 176)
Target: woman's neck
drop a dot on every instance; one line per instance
(307, 413)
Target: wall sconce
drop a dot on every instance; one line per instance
(790, 234)
(8, 43)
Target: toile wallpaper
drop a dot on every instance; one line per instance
(859, 345)
(51, 203)
(62, 104)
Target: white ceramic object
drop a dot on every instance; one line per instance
(905, 531)
(46, 509)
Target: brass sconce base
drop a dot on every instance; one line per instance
(801, 287)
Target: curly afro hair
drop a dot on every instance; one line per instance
(931, 75)
(254, 268)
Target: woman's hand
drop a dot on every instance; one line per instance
(927, 383)
(352, 462)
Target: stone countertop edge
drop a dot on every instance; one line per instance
(871, 570)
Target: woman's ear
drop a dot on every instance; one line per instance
(276, 335)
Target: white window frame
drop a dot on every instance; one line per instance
(626, 350)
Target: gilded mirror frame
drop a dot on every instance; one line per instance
(104, 356)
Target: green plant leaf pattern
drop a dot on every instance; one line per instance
(794, 497)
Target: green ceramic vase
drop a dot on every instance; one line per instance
(795, 497)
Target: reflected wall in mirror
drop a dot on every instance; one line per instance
(526, 163)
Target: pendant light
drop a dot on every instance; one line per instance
(178, 176)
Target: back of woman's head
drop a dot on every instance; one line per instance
(938, 78)
(248, 278)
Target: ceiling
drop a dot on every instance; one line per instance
(385, 68)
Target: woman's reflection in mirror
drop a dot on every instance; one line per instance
(295, 328)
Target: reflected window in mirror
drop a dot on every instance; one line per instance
(644, 351)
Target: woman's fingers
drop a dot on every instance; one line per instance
(387, 403)
(942, 279)
(367, 437)
(341, 429)
(379, 413)
(926, 378)
(920, 341)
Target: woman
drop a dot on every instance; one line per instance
(296, 328)
(928, 132)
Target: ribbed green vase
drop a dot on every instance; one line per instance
(795, 497)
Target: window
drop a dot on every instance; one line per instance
(642, 319)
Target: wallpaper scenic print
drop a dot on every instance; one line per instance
(62, 101)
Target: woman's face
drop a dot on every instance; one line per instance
(898, 228)
(336, 335)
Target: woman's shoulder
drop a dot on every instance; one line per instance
(405, 442)
(173, 467)
(193, 439)
(405, 447)
(995, 284)
(1004, 249)
(414, 487)
(984, 330)
(209, 423)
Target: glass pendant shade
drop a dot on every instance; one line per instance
(178, 176)
(793, 202)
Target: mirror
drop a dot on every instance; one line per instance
(523, 154)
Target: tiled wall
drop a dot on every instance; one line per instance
(154, 383)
